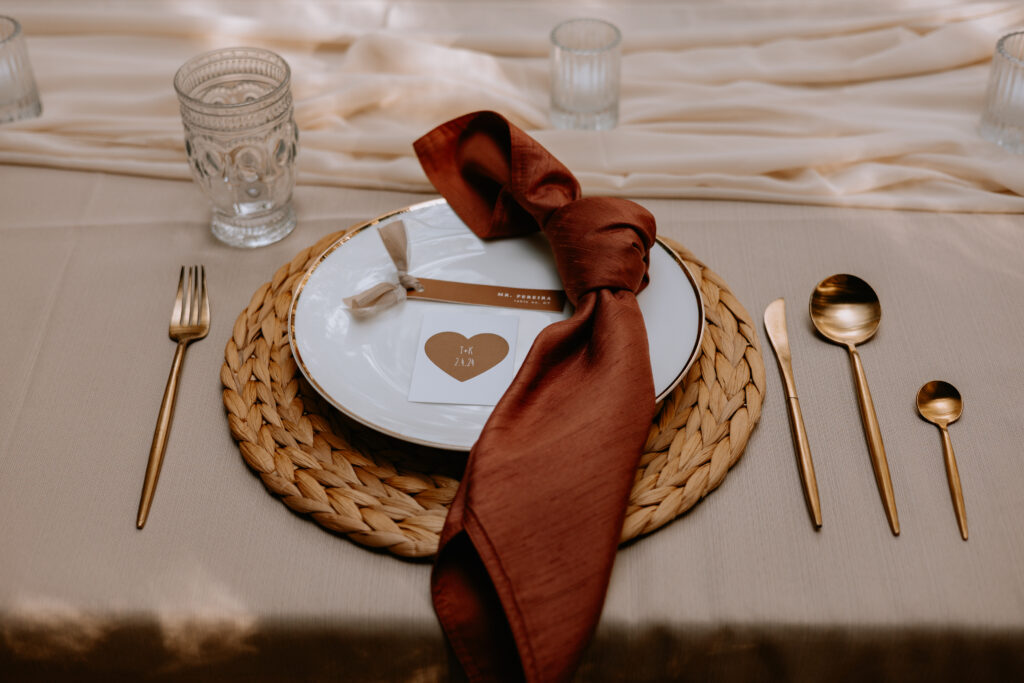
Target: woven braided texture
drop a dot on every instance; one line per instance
(392, 495)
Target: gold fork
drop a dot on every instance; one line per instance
(190, 320)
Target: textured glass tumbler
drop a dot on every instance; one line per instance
(1003, 119)
(241, 141)
(585, 58)
(19, 98)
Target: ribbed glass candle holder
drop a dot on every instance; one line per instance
(585, 57)
(19, 98)
(1003, 118)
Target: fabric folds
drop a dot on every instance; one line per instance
(856, 104)
(528, 545)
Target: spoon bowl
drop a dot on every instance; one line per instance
(940, 403)
(845, 309)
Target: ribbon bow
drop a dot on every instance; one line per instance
(385, 294)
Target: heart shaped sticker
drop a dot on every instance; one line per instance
(464, 358)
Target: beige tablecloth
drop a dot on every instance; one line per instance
(226, 583)
(225, 580)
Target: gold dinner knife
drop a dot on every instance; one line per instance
(775, 324)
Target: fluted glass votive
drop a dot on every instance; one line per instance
(241, 141)
(1002, 121)
(19, 97)
(585, 57)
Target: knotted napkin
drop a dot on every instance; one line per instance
(528, 545)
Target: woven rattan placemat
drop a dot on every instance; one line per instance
(392, 495)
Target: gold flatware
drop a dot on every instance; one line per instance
(940, 403)
(190, 320)
(775, 324)
(845, 310)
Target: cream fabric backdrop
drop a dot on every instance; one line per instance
(855, 104)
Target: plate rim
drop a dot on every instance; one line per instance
(356, 228)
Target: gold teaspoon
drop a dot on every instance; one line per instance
(845, 310)
(940, 403)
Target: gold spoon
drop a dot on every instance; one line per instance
(845, 310)
(940, 403)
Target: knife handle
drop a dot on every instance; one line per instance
(803, 448)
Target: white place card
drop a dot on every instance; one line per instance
(464, 357)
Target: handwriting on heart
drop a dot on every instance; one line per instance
(464, 358)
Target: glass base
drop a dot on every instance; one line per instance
(606, 119)
(1006, 135)
(25, 108)
(257, 230)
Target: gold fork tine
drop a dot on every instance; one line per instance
(204, 311)
(187, 311)
(178, 300)
(190, 320)
(193, 293)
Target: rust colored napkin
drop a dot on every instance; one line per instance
(528, 544)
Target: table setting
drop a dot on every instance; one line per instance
(468, 373)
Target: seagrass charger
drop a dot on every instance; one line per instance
(392, 495)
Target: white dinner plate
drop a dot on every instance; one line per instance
(363, 367)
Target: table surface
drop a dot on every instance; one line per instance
(817, 104)
(226, 581)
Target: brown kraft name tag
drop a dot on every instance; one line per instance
(489, 295)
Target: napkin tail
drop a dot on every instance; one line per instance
(471, 585)
(466, 599)
(521, 601)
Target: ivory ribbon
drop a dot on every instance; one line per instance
(386, 294)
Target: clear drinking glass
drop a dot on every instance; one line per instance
(241, 141)
(585, 58)
(19, 98)
(1003, 118)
